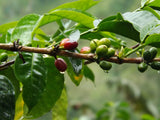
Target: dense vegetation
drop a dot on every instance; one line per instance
(32, 83)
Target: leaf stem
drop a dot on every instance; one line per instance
(134, 50)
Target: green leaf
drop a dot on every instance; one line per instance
(144, 2)
(120, 27)
(88, 73)
(153, 40)
(154, 12)
(19, 108)
(132, 24)
(75, 35)
(53, 90)
(79, 5)
(75, 15)
(9, 73)
(148, 29)
(26, 27)
(76, 64)
(154, 3)
(74, 70)
(7, 101)
(147, 117)
(32, 74)
(59, 111)
(4, 27)
(139, 19)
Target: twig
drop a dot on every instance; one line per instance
(5, 65)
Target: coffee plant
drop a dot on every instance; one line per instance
(32, 63)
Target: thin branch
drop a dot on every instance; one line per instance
(5, 65)
(90, 57)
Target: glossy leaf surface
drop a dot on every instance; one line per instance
(7, 99)
(52, 92)
(32, 74)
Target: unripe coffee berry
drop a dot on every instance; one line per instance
(111, 52)
(3, 57)
(155, 65)
(153, 52)
(102, 50)
(142, 67)
(85, 50)
(104, 41)
(60, 64)
(94, 44)
(105, 65)
(147, 56)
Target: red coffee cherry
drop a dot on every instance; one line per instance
(63, 41)
(60, 64)
(70, 45)
(85, 50)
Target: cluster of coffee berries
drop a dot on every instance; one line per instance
(102, 49)
(3, 57)
(67, 45)
(148, 57)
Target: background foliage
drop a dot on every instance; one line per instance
(113, 86)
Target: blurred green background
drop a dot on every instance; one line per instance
(122, 83)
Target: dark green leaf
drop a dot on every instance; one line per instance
(9, 73)
(59, 111)
(120, 27)
(7, 99)
(53, 89)
(32, 74)
(88, 73)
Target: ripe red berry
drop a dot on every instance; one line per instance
(63, 41)
(70, 45)
(60, 64)
(85, 50)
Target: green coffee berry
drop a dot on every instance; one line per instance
(155, 65)
(3, 57)
(104, 41)
(102, 50)
(94, 44)
(147, 56)
(142, 67)
(153, 52)
(111, 52)
(105, 65)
